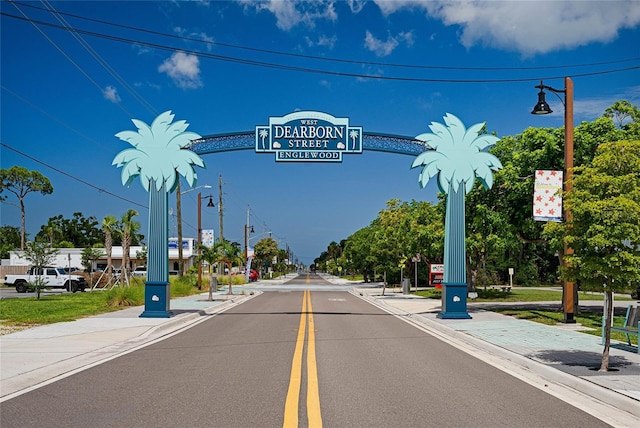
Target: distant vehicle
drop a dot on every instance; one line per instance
(140, 271)
(53, 277)
(253, 275)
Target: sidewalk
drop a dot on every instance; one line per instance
(542, 355)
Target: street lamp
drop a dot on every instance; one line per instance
(179, 220)
(569, 290)
(415, 261)
(247, 230)
(209, 204)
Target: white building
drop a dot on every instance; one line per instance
(72, 257)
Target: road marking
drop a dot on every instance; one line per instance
(313, 395)
(291, 407)
(308, 280)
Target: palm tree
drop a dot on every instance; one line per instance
(129, 228)
(109, 227)
(457, 157)
(221, 252)
(158, 156)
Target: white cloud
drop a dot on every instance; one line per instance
(384, 48)
(356, 5)
(324, 41)
(110, 93)
(183, 69)
(290, 13)
(529, 27)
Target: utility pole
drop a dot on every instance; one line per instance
(220, 207)
(221, 213)
(179, 215)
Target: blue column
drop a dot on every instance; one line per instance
(454, 284)
(157, 294)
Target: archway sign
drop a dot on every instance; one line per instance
(452, 153)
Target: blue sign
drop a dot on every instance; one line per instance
(308, 136)
(173, 243)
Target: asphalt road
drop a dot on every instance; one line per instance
(241, 367)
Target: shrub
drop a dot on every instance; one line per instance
(183, 285)
(125, 296)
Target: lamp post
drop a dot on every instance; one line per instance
(569, 290)
(179, 221)
(209, 204)
(247, 230)
(415, 261)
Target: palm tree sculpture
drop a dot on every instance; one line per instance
(457, 158)
(158, 155)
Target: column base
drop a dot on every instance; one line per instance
(156, 300)
(454, 301)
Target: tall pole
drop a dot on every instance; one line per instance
(179, 218)
(199, 239)
(569, 290)
(220, 208)
(246, 237)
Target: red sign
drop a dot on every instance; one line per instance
(436, 275)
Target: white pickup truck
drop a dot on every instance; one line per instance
(54, 277)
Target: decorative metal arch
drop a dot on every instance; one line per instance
(247, 141)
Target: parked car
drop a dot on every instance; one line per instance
(53, 277)
(140, 271)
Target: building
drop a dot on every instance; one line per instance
(72, 257)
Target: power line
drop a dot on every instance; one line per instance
(99, 189)
(330, 59)
(67, 56)
(225, 58)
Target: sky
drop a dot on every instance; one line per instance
(392, 67)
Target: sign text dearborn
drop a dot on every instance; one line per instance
(308, 136)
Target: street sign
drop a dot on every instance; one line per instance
(308, 136)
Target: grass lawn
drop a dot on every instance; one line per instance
(521, 295)
(53, 308)
(49, 309)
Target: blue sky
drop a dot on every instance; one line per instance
(403, 65)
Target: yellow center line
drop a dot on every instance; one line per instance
(293, 395)
(313, 396)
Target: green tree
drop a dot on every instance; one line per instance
(604, 231)
(81, 231)
(9, 240)
(264, 252)
(39, 254)
(20, 181)
(359, 250)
